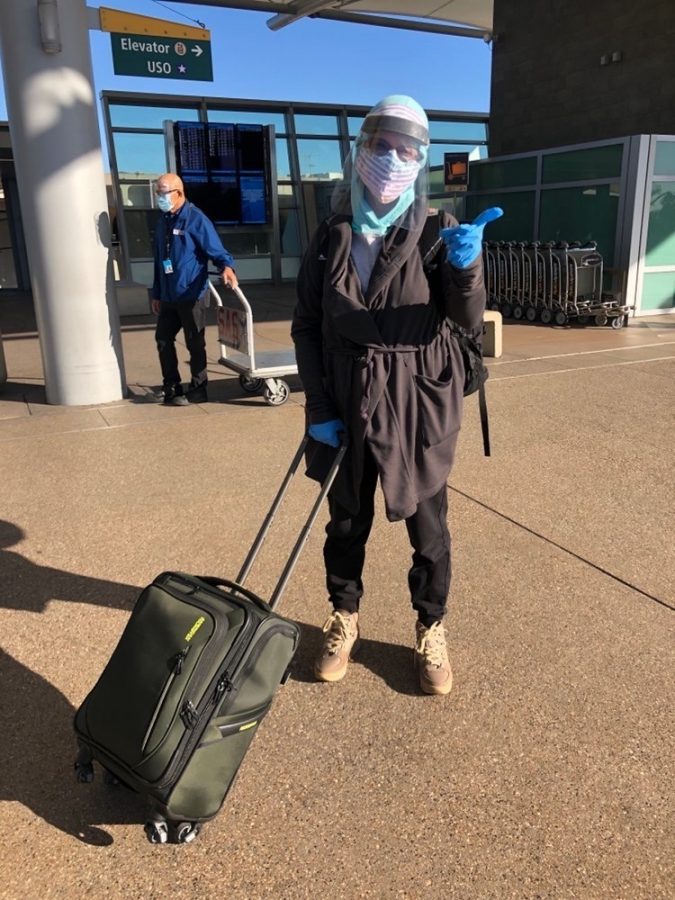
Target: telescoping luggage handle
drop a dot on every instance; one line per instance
(307, 527)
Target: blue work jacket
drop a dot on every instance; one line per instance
(189, 239)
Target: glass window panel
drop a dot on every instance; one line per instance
(490, 176)
(458, 131)
(138, 193)
(140, 225)
(664, 164)
(583, 165)
(125, 116)
(248, 117)
(283, 165)
(290, 232)
(309, 124)
(286, 195)
(354, 124)
(455, 204)
(142, 272)
(140, 154)
(658, 290)
(517, 223)
(319, 160)
(661, 234)
(436, 152)
(581, 214)
(290, 266)
(246, 243)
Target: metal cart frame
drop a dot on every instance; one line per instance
(259, 372)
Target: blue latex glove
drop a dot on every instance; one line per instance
(463, 242)
(327, 432)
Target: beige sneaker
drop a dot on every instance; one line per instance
(431, 659)
(342, 635)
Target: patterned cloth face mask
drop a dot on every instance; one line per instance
(386, 175)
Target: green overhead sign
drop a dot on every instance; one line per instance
(161, 57)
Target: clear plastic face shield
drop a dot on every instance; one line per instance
(385, 179)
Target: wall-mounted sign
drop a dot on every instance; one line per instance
(456, 171)
(154, 48)
(154, 57)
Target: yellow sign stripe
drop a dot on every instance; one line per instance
(128, 23)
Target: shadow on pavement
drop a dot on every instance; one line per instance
(37, 756)
(393, 663)
(29, 586)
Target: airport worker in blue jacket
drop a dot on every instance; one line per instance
(185, 240)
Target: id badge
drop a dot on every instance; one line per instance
(168, 268)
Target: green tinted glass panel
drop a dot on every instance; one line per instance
(517, 223)
(583, 165)
(658, 290)
(319, 159)
(581, 214)
(308, 124)
(248, 117)
(458, 131)
(140, 154)
(661, 233)
(664, 164)
(124, 116)
(490, 176)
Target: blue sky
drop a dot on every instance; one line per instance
(312, 60)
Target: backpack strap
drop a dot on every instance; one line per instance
(484, 425)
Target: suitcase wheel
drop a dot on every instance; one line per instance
(109, 778)
(84, 766)
(186, 831)
(84, 773)
(157, 832)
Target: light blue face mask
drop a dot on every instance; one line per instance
(164, 202)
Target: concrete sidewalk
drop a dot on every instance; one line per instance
(547, 773)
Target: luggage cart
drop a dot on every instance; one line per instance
(259, 372)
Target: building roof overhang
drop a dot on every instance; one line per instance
(465, 18)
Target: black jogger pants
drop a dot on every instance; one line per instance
(345, 550)
(189, 316)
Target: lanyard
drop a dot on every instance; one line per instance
(167, 236)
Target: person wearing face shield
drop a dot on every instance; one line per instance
(382, 371)
(184, 242)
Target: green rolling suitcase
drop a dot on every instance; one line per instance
(193, 675)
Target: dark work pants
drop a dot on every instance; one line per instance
(345, 550)
(172, 317)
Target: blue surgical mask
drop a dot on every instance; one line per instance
(164, 202)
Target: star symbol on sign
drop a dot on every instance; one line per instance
(182, 69)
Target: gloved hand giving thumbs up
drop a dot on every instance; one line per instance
(463, 242)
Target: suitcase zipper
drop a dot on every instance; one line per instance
(176, 669)
(194, 717)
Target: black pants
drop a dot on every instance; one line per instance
(345, 550)
(172, 317)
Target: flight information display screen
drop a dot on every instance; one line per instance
(225, 169)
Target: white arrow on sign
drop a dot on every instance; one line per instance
(198, 50)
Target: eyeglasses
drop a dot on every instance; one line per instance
(165, 193)
(405, 152)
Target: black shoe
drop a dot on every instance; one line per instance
(174, 396)
(197, 393)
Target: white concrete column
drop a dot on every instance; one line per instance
(59, 167)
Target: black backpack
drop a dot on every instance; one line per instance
(470, 341)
